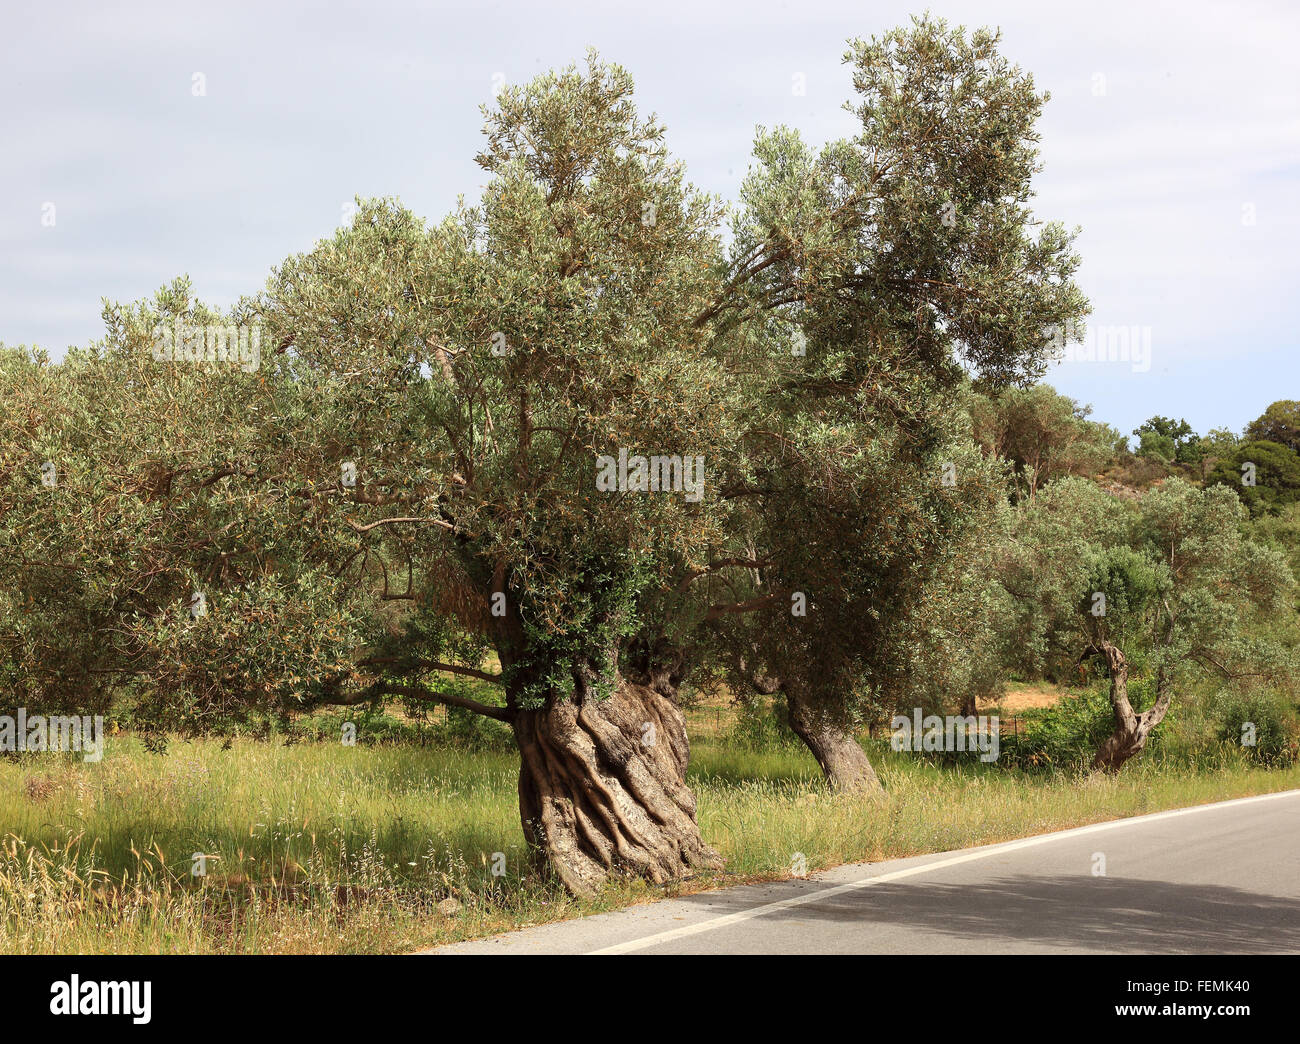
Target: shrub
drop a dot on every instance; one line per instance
(1276, 474)
(470, 731)
(762, 723)
(1067, 735)
(1264, 717)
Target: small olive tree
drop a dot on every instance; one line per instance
(1169, 588)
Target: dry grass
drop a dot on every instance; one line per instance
(320, 848)
(1021, 697)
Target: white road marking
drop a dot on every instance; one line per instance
(967, 857)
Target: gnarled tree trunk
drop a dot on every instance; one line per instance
(602, 789)
(1131, 728)
(842, 760)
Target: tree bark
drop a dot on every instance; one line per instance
(842, 760)
(602, 789)
(1131, 728)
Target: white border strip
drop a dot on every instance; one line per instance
(970, 855)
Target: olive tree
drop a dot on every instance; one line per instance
(1169, 589)
(899, 261)
(543, 444)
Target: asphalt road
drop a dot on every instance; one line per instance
(1221, 878)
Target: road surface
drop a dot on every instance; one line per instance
(1221, 878)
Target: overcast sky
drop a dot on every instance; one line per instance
(1172, 138)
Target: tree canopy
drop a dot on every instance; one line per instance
(561, 442)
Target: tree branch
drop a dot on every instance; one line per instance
(419, 692)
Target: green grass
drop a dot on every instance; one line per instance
(322, 848)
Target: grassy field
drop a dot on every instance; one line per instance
(320, 848)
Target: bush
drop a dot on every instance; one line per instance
(1264, 717)
(1064, 736)
(1157, 447)
(462, 729)
(372, 727)
(1067, 735)
(762, 723)
(470, 731)
(1276, 476)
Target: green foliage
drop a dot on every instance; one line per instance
(1263, 716)
(467, 730)
(1280, 423)
(1053, 543)
(1186, 594)
(1182, 582)
(376, 725)
(1279, 531)
(1066, 735)
(473, 370)
(856, 486)
(1153, 444)
(1042, 434)
(1169, 440)
(1129, 582)
(762, 723)
(1275, 475)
